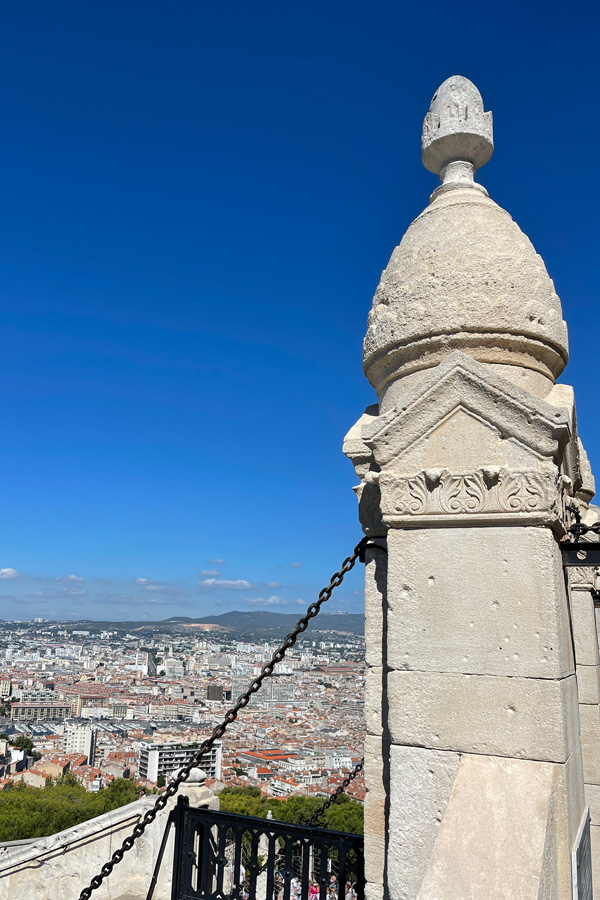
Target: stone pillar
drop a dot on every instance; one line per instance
(376, 750)
(473, 754)
(582, 588)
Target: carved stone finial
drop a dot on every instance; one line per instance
(457, 133)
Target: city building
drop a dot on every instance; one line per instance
(215, 692)
(156, 759)
(80, 737)
(39, 712)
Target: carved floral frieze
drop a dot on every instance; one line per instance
(438, 492)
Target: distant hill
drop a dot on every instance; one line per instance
(258, 624)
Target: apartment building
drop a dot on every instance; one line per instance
(40, 712)
(156, 759)
(80, 737)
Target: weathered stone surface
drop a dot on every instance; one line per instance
(459, 382)
(588, 685)
(375, 806)
(373, 891)
(498, 591)
(571, 790)
(375, 606)
(589, 724)
(367, 491)
(438, 294)
(420, 785)
(373, 700)
(584, 628)
(456, 127)
(470, 462)
(588, 483)
(595, 842)
(526, 718)
(592, 798)
(492, 838)
(60, 866)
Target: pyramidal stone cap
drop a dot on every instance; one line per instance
(464, 277)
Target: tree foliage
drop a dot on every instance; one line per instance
(343, 815)
(28, 812)
(22, 742)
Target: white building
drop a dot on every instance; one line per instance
(80, 737)
(156, 759)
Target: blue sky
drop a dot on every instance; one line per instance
(197, 202)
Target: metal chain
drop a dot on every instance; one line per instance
(579, 528)
(218, 732)
(347, 780)
(316, 816)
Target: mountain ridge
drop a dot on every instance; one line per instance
(264, 623)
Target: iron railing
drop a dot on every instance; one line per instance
(223, 856)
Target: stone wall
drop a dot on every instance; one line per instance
(60, 866)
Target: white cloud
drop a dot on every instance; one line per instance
(9, 573)
(272, 584)
(125, 600)
(240, 584)
(265, 601)
(217, 562)
(295, 565)
(149, 584)
(71, 578)
(301, 602)
(207, 573)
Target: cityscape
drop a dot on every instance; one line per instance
(101, 702)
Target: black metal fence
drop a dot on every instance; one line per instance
(223, 856)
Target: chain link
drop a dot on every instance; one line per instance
(230, 716)
(579, 529)
(316, 816)
(340, 790)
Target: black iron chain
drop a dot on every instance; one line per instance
(340, 790)
(579, 528)
(218, 732)
(316, 816)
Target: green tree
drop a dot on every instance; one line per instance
(343, 815)
(160, 781)
(22, 742)
(28, 812)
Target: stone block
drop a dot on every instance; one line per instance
(373, 700)
(420, 786)
(525, 718)
(592, 799)
(375, 805)
(483, 601)
(568, 804)
(569, 793)
(585, 638)
(373, 891)
(375, 599)
(588, 684)
(502, 852)
(589, 727)
(595, 842)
